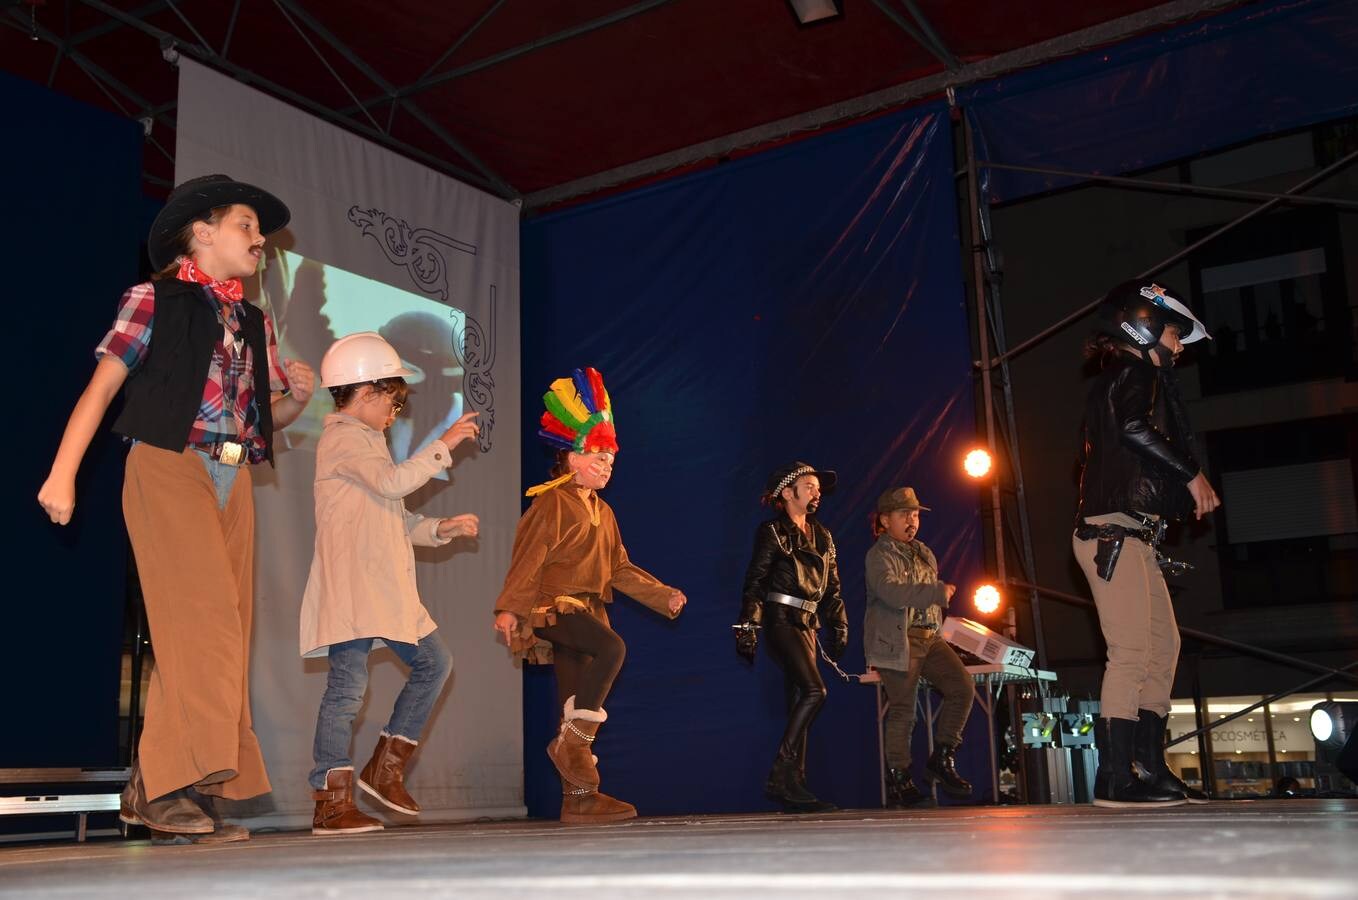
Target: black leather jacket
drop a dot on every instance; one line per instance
(786, 562)
(1138, 448)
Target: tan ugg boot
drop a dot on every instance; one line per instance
(586, 806)
(570, 749)
(335, 810)
(384, 775)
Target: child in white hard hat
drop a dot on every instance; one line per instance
(361, 591)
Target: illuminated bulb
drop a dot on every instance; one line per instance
(977, 463)
(986, 599)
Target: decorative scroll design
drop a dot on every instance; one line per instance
(420, 251)
(475, 348)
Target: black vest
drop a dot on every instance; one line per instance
(164, 393)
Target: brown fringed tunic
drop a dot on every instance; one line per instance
(568, 557)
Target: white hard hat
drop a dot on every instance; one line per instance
(360, 358)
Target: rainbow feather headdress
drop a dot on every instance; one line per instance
(578, 418)
(579, 414)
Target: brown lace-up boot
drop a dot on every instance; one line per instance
(335, 810)
(173, 813)
(384, 775)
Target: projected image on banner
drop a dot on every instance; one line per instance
(314, 303)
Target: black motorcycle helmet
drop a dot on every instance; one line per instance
(1136, 312)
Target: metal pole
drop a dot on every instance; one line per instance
(1177, 187)
(1207, 766)
(993, 276)
(1272, 750)
(983, 339)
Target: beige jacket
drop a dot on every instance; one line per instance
(362, 580)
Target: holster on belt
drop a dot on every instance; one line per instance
(1110, 538)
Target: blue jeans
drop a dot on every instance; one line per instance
(430, 665)
(223, 477)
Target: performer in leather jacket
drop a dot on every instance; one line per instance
(1139, 473)
(791, 589)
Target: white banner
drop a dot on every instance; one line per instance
(379, 243)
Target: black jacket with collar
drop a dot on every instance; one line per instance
(164, 393)
(1138, 445)
(785, 561)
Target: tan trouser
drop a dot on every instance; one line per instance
(1137, 620)
(196, 567)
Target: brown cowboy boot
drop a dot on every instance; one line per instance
(384, 775)
(223, 832)
(335, 810)
(570, 749)
(586, 806)
(174, 812)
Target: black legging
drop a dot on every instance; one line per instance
(586, 655)
(794, 650)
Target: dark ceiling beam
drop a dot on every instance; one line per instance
(104, 83)
(189, 25)
(102, 79)
(246, 76)
(496, 59)
(916, 35)
(90, 34)
(376, 78)
(1000, 64)
(940, 47)
(306, 39)
(230, 29)
(462, 39)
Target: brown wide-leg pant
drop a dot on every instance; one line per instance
(1136, 616)
(196, 566)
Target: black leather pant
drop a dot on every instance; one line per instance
(793, 648)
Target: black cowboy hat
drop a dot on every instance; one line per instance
(786, 475)
(195, 198)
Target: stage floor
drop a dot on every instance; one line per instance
(1284, 848)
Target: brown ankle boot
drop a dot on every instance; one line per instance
(586, 806)
(384, 775)
(174, 813)
(223, 832)
(570, 749)
(335, 810)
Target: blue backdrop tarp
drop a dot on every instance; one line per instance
(1261, 69)
(73, 247)
(806, 303)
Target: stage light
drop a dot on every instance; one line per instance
(977, 463)
(1328, 723)
(986, 599)
(811, 11)
(1334, 725)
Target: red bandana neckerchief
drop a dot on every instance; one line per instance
(231, 291)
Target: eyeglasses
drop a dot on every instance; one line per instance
(396, 407)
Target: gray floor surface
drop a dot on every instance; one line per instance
(1285, 848)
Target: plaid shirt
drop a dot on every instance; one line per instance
(228, 411)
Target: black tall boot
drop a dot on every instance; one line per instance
(1115, 784)
(817, 805)
(785, 786)
(941, 769)
(1148, 754)
(901, 792)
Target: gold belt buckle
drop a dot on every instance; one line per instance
(231, 454)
